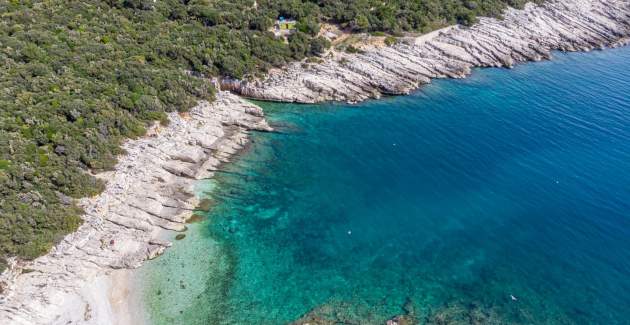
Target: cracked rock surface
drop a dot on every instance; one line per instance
(530, 34)
(149, 192)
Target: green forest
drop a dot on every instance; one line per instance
(79, 77)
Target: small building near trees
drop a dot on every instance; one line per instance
(284, 27)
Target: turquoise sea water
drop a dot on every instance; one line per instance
(443, 204)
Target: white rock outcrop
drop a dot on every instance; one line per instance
(530, 34)
(150, 191)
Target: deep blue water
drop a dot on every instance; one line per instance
(443, 203)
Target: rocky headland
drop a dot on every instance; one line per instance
(150, 192)
(530, 34)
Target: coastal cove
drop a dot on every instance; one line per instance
(131, 129)
(501, 198)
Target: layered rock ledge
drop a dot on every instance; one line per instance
(149, 192)
(530, 34)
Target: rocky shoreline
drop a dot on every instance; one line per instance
(530, 34)
(151, 191)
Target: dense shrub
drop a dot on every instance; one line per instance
(394, 16)
(79, 77)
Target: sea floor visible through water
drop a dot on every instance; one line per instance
(501, 198)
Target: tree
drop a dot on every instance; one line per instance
(319, 45)
(361, 23)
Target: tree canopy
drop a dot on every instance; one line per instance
(79, 77)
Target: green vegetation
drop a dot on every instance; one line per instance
(395, 16)
(390, 40)
(79, 77)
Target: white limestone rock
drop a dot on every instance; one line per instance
(150, 191)
(524, 35)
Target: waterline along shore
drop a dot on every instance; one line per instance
(150, 191)
(530, 34)
(435, 207)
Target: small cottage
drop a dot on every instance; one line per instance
(284, 26)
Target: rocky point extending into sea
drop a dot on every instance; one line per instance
(530, 34)
(150, 191)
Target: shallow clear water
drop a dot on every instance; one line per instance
(442, 204)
